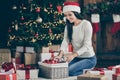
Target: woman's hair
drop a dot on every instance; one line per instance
(70, 25)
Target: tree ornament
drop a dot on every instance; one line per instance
(37, 9)
(24, 8)
(51, 5)
(60, 21)
(16, 26)
(50, 31)
(50, 43)
(36, 35)
(22, 18)
(39, 19)
(9, 30)
(14, 7)
(59, 8)
(33, 40)
(45, 10)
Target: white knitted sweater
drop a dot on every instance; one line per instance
(81, 40)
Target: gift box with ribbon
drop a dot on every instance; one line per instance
(5, 56)
(116, 77)
(52, 47)
(25, 49)
(92, 77)
(44, 56)
(101, 71)
(8, 76)
(53, 70)
(30, 58)
(27, 72)
(8, 67)
(115, 68)
(18, 66)
(8, 71)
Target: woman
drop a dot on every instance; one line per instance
(78, 32)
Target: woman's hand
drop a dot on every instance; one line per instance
(71, 56)
(59, 56)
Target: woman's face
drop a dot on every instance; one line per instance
(70, 16)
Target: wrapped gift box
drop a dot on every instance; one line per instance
(44, 56)
(45, 49)
(52, 47)
(30, 58)
(18, 66)
(8, 77)
(18, 57)
(116, 68)
(91, 77)
(20, 74)
(116, 77)
(53, 71)
(25, 49)
(107, 73)
(5, 56)
(27, 74)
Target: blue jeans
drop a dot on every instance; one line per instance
(77, 65)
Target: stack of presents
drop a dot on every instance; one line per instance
(42, 66)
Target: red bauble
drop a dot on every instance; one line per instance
(59, 8)
(50, 31)
(22, 18)
(36, 35)
(51, 5)
(38, 9)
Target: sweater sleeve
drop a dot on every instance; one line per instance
(87, 41)
(64, 44)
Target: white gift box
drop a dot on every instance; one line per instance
(116, 77)
(53, 71)
(107, 73)
(25, 49)
(116, 68)
(91, 77)
(21, 74)
(46, 56)
(52, 47)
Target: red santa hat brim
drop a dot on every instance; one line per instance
(71, 6)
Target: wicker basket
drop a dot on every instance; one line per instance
(53, 71)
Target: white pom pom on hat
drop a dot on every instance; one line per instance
(71, 6)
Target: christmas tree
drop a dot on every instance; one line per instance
(36, 23)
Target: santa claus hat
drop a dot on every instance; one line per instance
(95, 18)
(71, 6)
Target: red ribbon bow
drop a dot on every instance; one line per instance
(7, 66)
